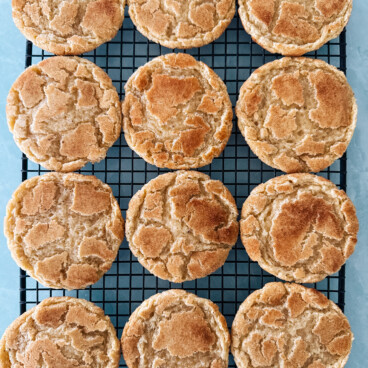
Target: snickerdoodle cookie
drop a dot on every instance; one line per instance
(289, 325)
(176, 329)
(65, 230)
(181, 24)
(299, 227)
(177, 112)
(64, 112)
(182, 225)
(294, 27)
(68, 27)
(297, 114)
(61, 332)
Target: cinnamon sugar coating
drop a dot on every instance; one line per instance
(299, 227)
(61, 332)
(294, 27)
(64, 112)
(65, 230)
(176, 329)
(289, 325)
(68, 27)
(297, 114)
(176, 113)
(181, 24)
(182, 225)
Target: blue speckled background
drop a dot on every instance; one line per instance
(12, 47)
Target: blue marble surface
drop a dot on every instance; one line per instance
(357, 271)
(12, 48)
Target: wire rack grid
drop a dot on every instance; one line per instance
(233, 57)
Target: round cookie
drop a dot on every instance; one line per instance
(299, 227)
(294, 27)
(182, 225)
(176, 329)
(64, 112)
(68, 27)
(289, 325)
(181, 24)
(297, 114)
(177, 112)
(61, 332)
(65, 230)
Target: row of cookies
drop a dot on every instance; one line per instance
(280, 325)
(296, 114)
(289, 27)
(65, 230)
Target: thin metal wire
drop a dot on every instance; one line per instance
(234, 56)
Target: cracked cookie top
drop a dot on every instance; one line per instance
(68, 27)
(182, 225)
(64, 112)
(61, 332)
(182, 24)
(177, 112)
(176, 329)
(65, 230)
(297, 114)
(289, 326)
(294, 27)
(299, 227)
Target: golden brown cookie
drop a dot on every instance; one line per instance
(181, 24)
(299, 227)
(290, 326)
(61, 332)
(64, 112)
(64, 229)
(176, 329)
(68, 27)
(297, 114)
(177, 112)
(294, 27)
(182, 225)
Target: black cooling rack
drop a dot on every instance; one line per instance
(233, 57)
